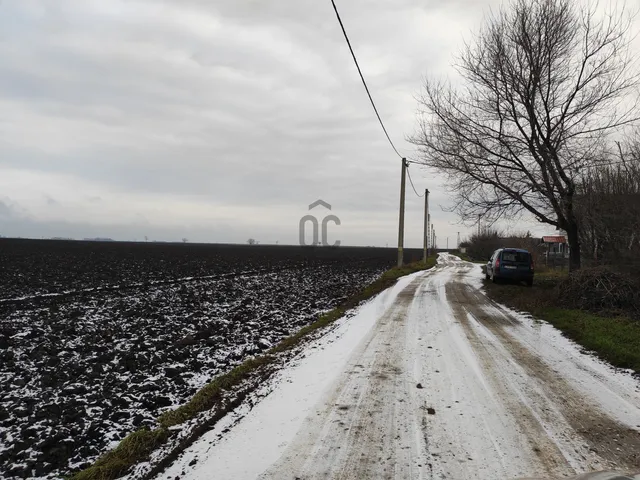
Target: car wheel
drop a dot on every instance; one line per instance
(530, 283)
(494, 279)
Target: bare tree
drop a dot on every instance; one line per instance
(608, 209)
(546, 84)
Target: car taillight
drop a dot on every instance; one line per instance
(497, 263)
(532, 264)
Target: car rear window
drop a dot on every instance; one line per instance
(519, 257)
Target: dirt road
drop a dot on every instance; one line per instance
(447, 384)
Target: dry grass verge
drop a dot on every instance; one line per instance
(135, 446)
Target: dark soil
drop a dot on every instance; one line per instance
(97, 339)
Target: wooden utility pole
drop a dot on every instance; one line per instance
(425, 236)
(401, 222)
(429, 245)
(433, 238)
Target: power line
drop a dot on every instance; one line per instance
(409, 173)
(346, 37)
(412, 186)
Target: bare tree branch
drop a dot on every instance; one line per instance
(546, 86)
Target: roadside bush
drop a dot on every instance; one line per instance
(482, 245)
(600, 289)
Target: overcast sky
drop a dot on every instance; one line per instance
(217, 120)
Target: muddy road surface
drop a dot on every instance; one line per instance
(445, 384)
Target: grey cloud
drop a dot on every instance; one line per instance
(11, 210)
(5, 210)
(236, 103)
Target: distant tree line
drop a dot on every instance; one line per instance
(481, 245)
(608, 209)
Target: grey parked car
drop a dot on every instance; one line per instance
(510, 264)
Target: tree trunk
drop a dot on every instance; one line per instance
(574, 247)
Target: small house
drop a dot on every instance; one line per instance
(556, 249)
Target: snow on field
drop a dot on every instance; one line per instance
(94, 350)
(432, 380)
(262, 435)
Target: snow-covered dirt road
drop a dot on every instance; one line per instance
(431, 380)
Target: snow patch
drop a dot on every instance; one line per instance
(262, 435)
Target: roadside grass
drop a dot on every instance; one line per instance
(550, 275)
(131, 449)
(138, 446)
(209, 395)
(611, 336)
(614, 339)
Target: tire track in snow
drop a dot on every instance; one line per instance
(541, 440)
(472, 434)
(588, 438)
(366, 428)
